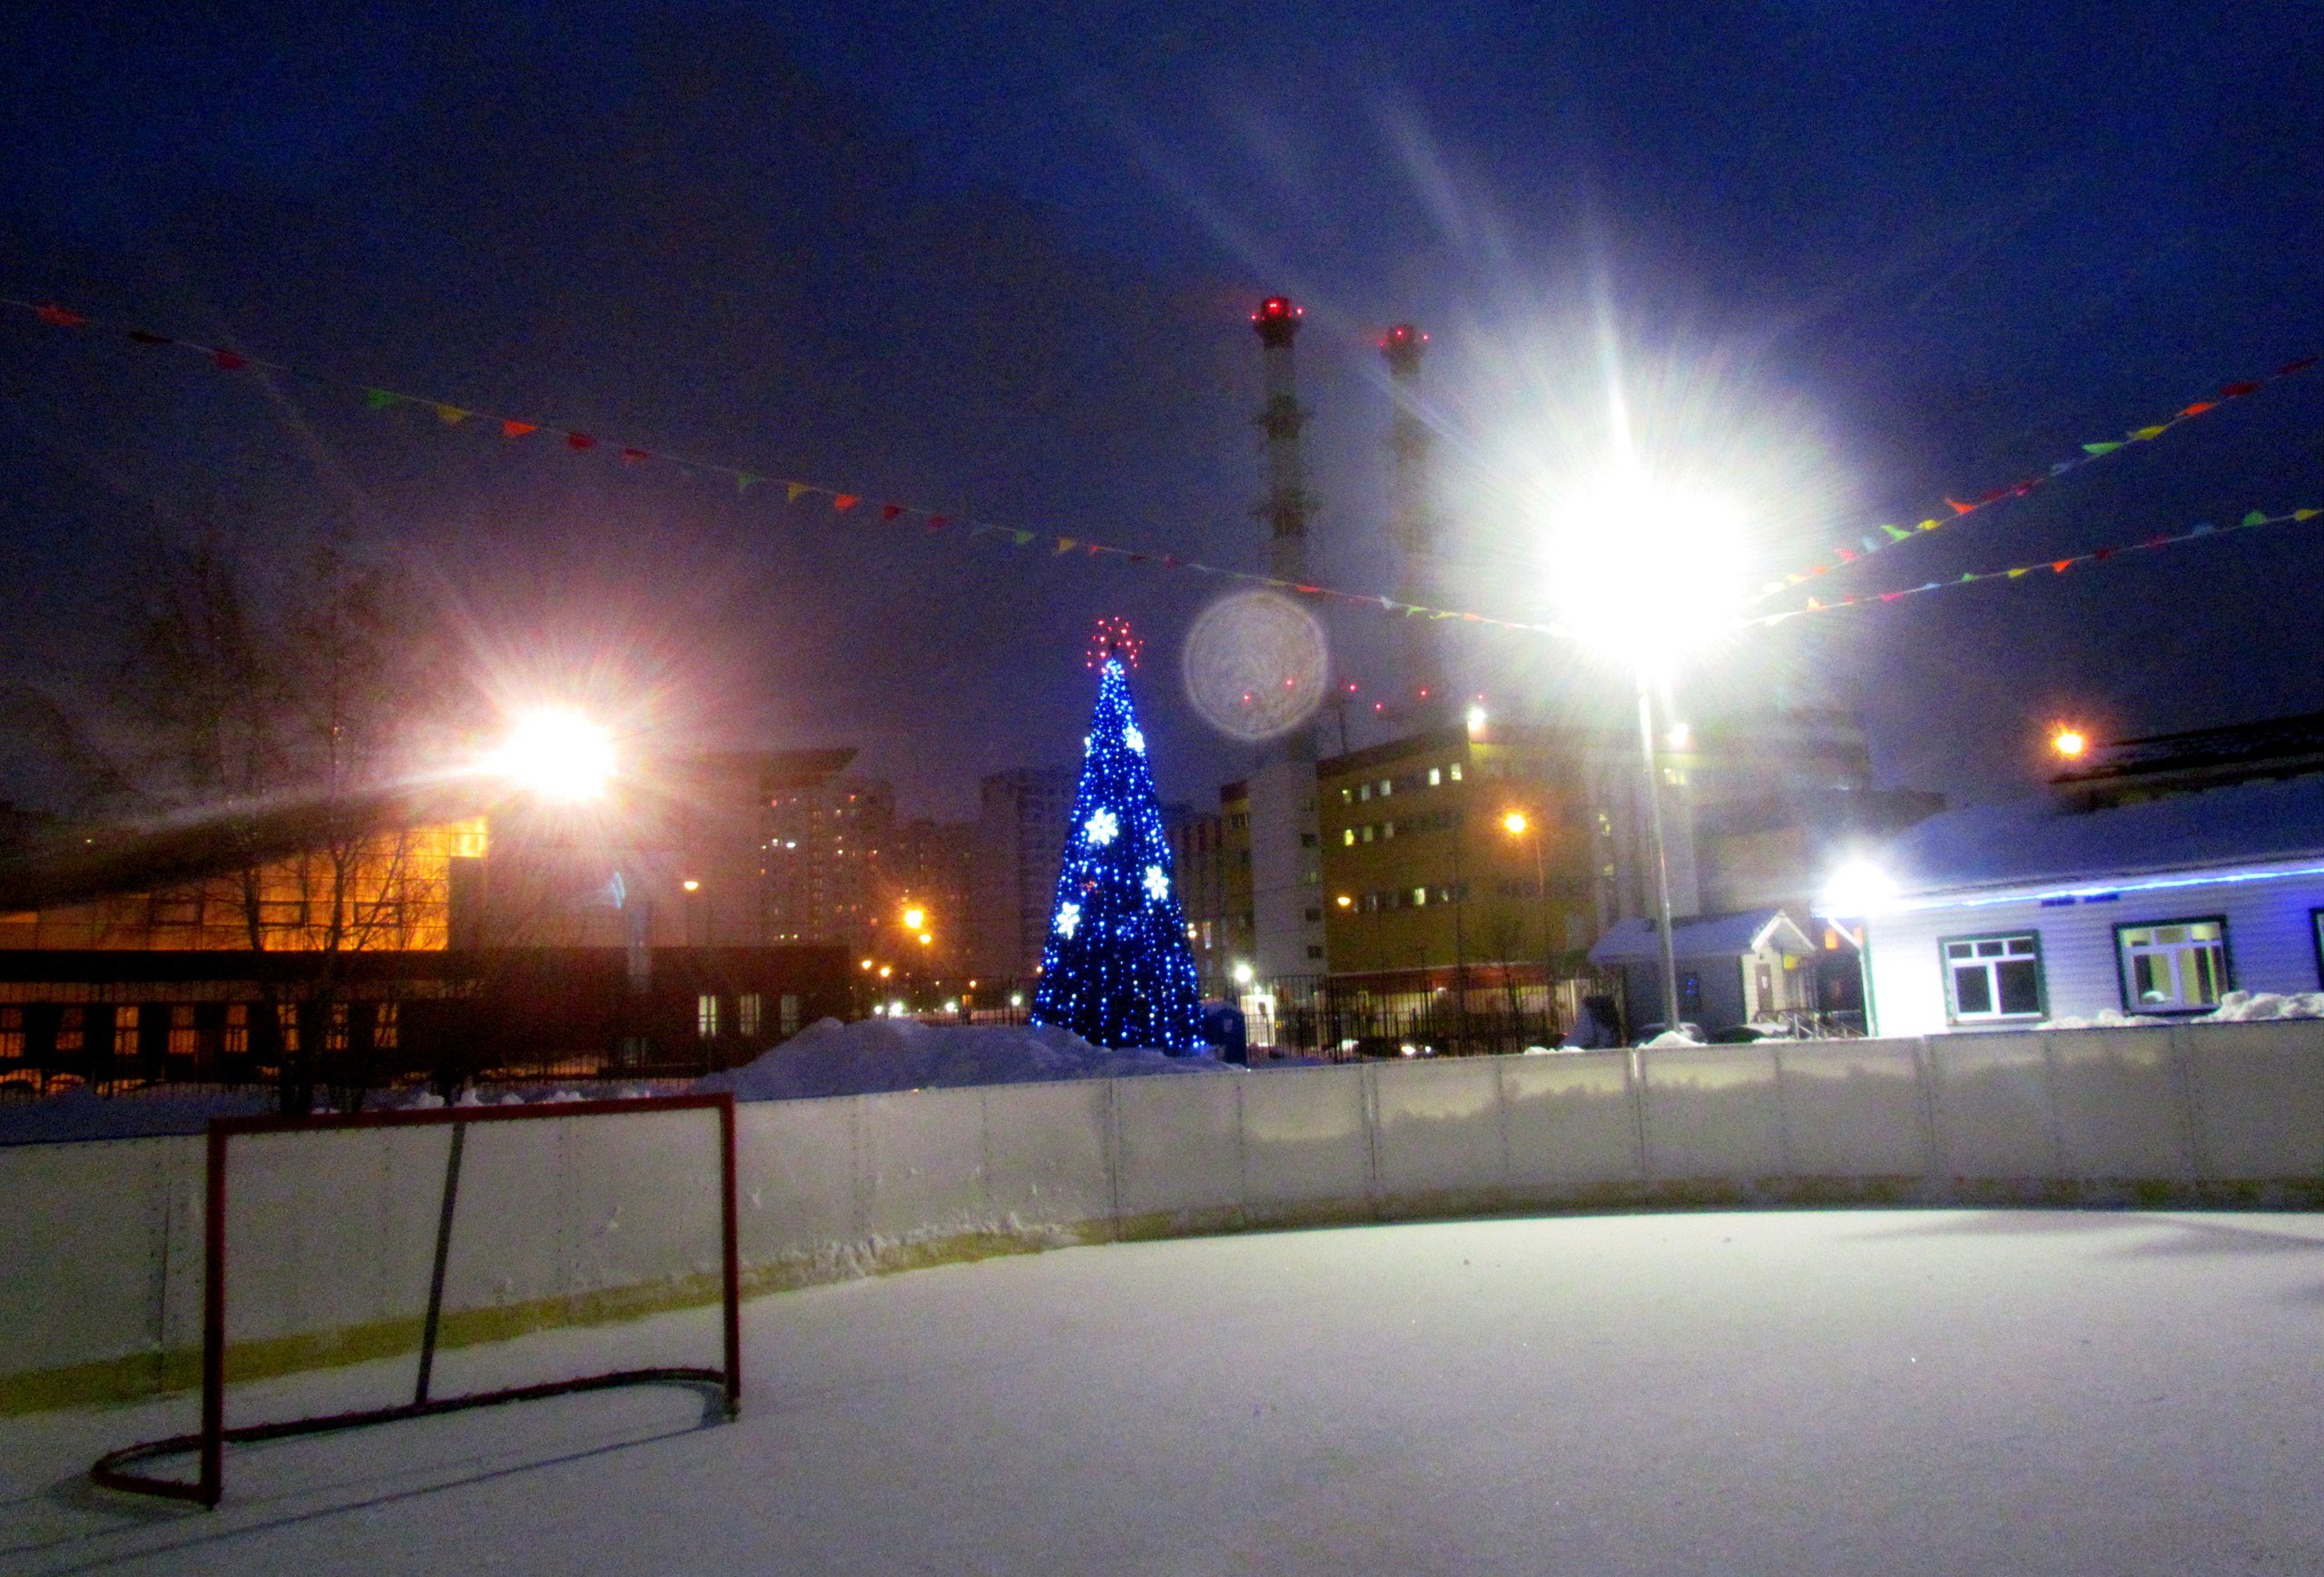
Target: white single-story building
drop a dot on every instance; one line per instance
(1733, 969)
(1997, 916)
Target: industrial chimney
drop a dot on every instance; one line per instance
(1281, 418)
(1421, 667)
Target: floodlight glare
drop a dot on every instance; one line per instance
(1514, 823)
(1646, 569)
(1857, 889)
(558, 754)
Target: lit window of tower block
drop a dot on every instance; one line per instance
(1115, 969)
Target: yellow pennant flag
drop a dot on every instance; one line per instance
(1066, 544)
(451, 415)
(790, 491)
(2150, 432)
(2015, 573)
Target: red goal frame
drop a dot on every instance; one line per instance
(115, 1469)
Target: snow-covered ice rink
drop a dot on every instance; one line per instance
(1957, 1392)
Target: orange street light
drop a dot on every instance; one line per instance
(2069, 742)
(915, 918)
(1514, 823)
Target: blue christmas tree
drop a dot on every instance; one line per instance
(1115, 969)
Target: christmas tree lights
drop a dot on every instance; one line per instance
(1115, 969)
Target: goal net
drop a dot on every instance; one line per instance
(408, 1236)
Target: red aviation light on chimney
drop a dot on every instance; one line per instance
(1402, 334)
(1278, 307)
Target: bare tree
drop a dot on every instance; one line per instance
(298, 701)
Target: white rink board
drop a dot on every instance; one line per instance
(101, 1263)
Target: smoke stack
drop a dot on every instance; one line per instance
(1281, 419)
(1421, 667)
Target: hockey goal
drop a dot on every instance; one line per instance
(331, 1201)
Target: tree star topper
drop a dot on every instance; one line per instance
(1111, 640)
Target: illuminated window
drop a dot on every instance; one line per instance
(1995, 977)
(2174, 966)
(1420, 897)
(1435, 776)
(706, 1017)
(184, 1041)
(1387, 788)
(11, 1033)
(387, 1029)
(1364, 792)
(281, 913)
(1347, 836)
(1453, 771)
(747, 1013)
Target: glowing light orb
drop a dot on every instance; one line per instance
(915, 918)
(1255, 664)
(558, 754)
(2070, 742)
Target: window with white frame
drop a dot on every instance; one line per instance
(1993, 977)
(2172, 965)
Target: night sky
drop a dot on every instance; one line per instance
(998, 261)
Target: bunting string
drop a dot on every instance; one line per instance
(1884, 536)
(514, 429)
(2201, 531)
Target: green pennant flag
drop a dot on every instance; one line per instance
(378, 398)
(1024, 539)
(742, 480)
(1896, 533)
(2099, 448)
(2256, 517)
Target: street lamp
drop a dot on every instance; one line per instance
(1516, 824)
(1693, 542)
(556, 753)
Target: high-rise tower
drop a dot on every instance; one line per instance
(1281, 418)
(1422, 672)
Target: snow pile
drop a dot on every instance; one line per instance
(2250, 1007)
(79, 1115)
(1672, 1038)
(2235, 1008)
(871, 1054)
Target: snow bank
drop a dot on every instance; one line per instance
(2235, 1008)
(873, 1055)
(79, 1115)
(1672, 1038)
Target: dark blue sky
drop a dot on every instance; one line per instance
(1859, 255)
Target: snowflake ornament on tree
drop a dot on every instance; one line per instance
(1115, 969)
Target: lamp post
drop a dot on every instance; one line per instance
(1697, 550)
(1661, 851)
(1516, 824)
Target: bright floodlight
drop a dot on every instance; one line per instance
(2070, 742)
(558, 754)
(1857, 889)
(1514, 823)
(915, 918)
(1646, 569)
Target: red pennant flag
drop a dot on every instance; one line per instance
(630, 457)
(2236, 390)
(2156, 542)
(843, 500)
(2102, 556)
(2060, 565)
(147, 337)
(2197, 409)
(1959, 507)
(2023, 488)
(59, 317)
(1890, 595)
(516, 429)
(228, 360)
(890, 511)
(937, 522)
(1846, 555)
(2302, 365)
(1995, 496)
(579, 440)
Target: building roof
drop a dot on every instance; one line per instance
(2035, 840)
(1637, 939)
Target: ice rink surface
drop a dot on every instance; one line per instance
(1956, 1391)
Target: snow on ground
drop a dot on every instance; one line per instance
(868, 1055)
(1907, 1392)
(2234, 1008)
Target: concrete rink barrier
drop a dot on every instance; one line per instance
(577, 1222)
